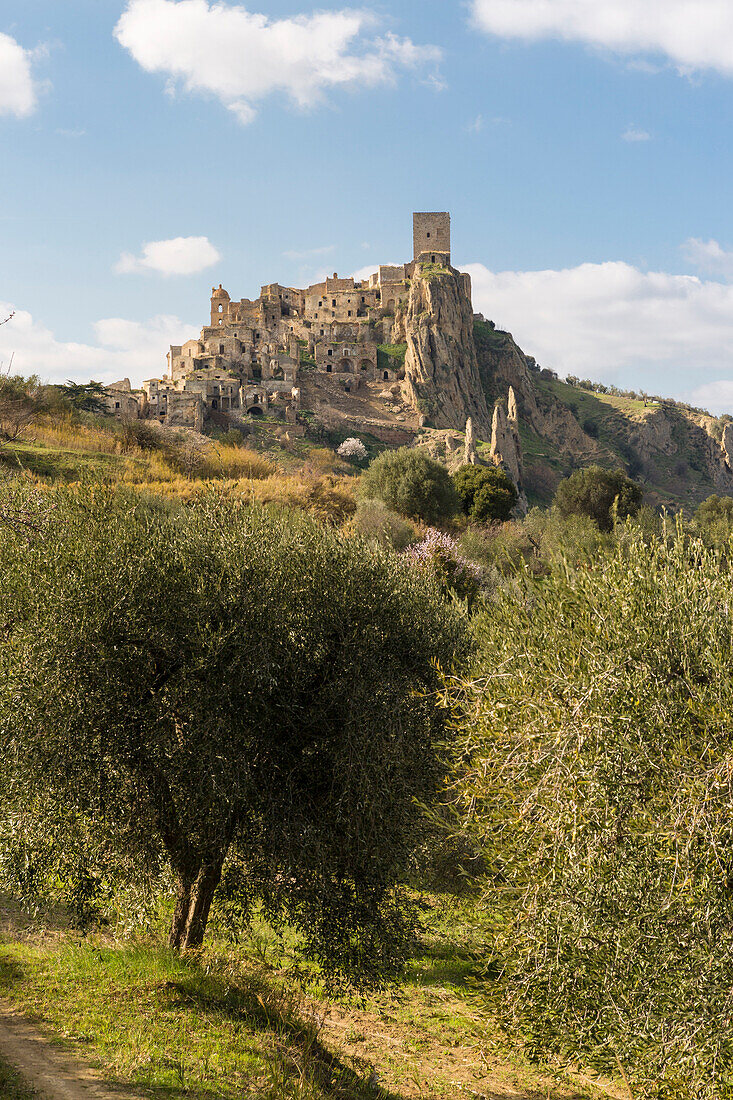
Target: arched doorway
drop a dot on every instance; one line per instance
(345, 365)
(255, 411)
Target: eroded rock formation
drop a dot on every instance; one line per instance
(441, 370)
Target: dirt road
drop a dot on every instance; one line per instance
(52, 1073)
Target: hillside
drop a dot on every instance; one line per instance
(680, 455)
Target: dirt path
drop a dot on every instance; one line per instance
(52, 1073)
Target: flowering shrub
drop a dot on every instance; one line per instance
(440, 552)
(353, 449)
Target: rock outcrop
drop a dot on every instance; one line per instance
(442, 378)
(504, 445)
(470, 454)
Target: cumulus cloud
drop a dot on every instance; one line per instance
(708, 257)
(240, 56)
(178, 256)
(615, 323)
(692, 34)
(121, 348)
(18, 91)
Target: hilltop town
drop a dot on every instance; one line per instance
(402, 357)
(335, 339)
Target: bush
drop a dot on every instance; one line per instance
(594, 492)
(411, 483)
(354, 450)
(597, 778)
(440, 553)
(374, 520)
(486, 493)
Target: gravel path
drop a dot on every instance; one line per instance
(51, 1072)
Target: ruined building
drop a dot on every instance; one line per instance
(253, 357)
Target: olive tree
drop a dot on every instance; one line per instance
(599, 494)
(223, 686)
(411, 483)
(596, 774)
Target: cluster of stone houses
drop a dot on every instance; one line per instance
(248, 360)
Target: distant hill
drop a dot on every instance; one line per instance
(680, 455)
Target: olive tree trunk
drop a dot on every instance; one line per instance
(194, 895)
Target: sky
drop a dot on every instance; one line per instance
(150, 149)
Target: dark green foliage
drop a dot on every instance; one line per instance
(595, 492)
(597, 767)
(221, 687)
(411, 483)
(85, 397)
(486, 493)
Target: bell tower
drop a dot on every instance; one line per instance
(219, 306)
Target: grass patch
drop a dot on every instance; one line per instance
(391, 356)
(253, 1021)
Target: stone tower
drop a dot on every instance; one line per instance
(431, 235)
(219, 306)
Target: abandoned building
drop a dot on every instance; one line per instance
(249, 358)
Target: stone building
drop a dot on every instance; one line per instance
(248, 359)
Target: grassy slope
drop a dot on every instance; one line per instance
(252, 1021)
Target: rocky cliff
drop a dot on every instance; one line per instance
(680, 455)
(442, 378)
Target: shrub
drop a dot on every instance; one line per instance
(374, 520)
(440, 553)
(486, 493)
(411, 483)
(354, 450)
(597, 777)
(594, 492)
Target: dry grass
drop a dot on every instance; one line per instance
(63, 433)
(223, 461)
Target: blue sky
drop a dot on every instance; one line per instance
(583, 150)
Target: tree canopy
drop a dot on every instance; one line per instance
(85, 396)
(486, 493)
(222, 690)
(596, 769)
(411, 483)
(593, 491)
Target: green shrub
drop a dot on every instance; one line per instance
(411, 483)
(486, 493)
(374, 520)
(596, 775)
(594, 492)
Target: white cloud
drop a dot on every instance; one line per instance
(708, 257)
(635, 133)
(240, 56)
(131, 349)
(692, 34)
(475, 126)
(672, 333)
(18, 91)
(179, 256)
